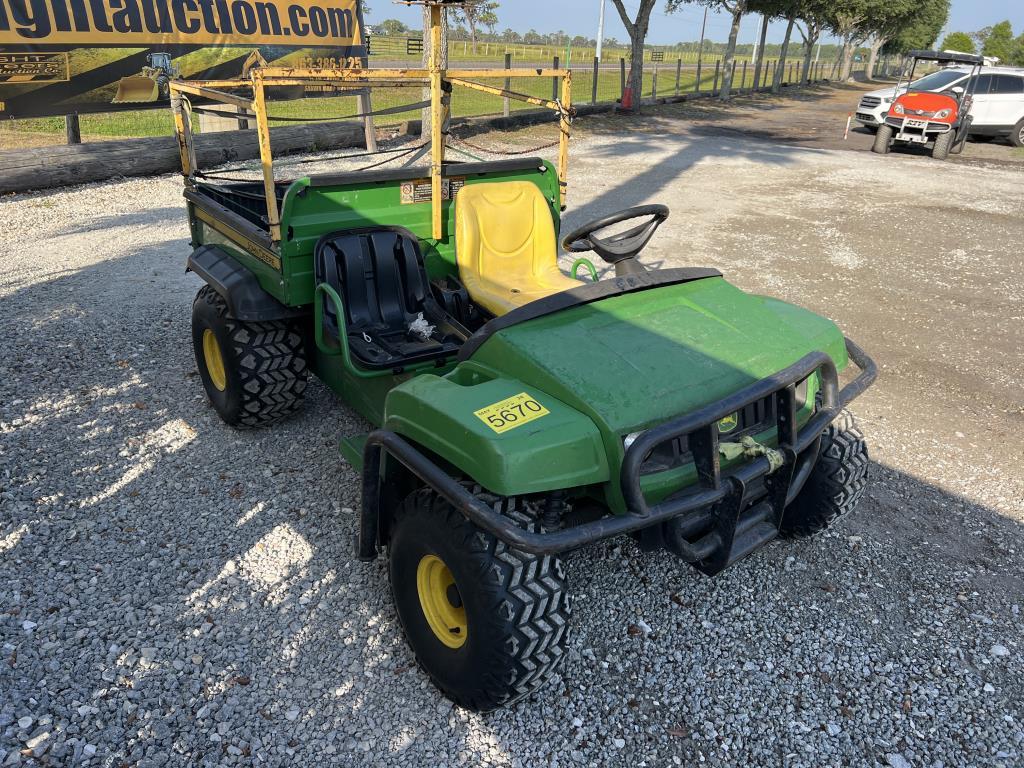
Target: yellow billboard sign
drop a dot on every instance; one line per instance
(121, 23)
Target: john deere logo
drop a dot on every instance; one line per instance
(729, 423)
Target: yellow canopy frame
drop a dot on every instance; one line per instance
(258, 78)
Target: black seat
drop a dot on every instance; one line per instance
(384, 287)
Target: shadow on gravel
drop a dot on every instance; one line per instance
(199, 587)
(667, 157)
(144, 217)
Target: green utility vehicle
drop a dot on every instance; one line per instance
(518, 413)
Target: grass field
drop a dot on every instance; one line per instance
(462, 50)
(158, 122)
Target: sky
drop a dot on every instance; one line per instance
(580, 17)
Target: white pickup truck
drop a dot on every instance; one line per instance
(998, 108)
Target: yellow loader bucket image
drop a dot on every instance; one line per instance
(153, 84)
(136, 90)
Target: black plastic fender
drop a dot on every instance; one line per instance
(246, 299)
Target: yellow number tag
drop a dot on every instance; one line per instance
(511, 413)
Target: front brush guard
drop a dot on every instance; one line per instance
(714, 500)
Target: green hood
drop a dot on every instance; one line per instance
(636, 360)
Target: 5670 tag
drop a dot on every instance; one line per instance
(511, 413)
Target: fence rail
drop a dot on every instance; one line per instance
(594, 82)
(463, 50)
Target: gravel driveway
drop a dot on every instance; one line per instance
(173, 592)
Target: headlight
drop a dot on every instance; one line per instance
(942, 114)
(898, 109)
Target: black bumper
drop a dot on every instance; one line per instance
(718, 503)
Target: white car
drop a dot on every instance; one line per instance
(998, 108)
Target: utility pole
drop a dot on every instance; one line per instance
(600, 31)
(755, 41)
(700, 52)
(759, 61)
(817, 53)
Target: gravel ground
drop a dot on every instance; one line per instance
(176, 593)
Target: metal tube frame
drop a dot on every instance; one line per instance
(440, 80)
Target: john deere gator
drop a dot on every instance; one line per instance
(517, 413)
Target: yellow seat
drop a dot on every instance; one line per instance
(505, 245)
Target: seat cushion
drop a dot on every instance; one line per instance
(505, 245)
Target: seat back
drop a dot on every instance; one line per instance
(384, 287)
(505, 236)
(380, 275)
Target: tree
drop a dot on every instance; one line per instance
(778, 9)
(814, 15)
(922, 31)
(958, 41)
(1000, 43)
(981, 36)
(392, 28)
(915, 24)
(1017, 58)
(736, 9)
(637, 30)
(482, 14)
(879, 21)
(847, 18)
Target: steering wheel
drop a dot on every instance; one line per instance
(619, 250)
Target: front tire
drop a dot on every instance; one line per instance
(487, 623)
(883, 140)
(943, 145)
(253, 373)
(836, 484)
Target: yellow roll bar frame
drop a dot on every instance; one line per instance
(440, 79)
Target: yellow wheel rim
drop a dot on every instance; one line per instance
(441, 602)
(214, 361)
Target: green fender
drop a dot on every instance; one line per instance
(513, 449)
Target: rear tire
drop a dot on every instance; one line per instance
(883, 140)
(1017, 136)
(253, 373)
(487, 623)
(836, 484)
(943, 144)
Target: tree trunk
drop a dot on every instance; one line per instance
(730, 51)
(425, 129)
(809, 41)
(636, 67)
(777, 80)
(846, 70)
(472, 30)
(876, 46)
